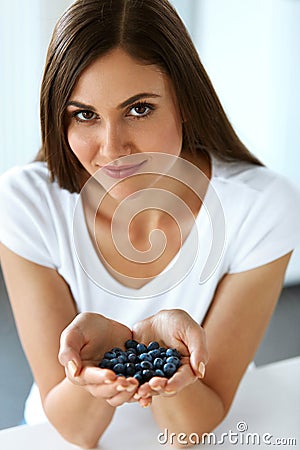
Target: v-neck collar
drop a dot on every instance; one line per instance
(173, 274)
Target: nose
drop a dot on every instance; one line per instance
(114, 143)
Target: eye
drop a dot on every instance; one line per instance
(141, 109)
(84, 115)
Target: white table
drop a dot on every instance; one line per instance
(267, 404)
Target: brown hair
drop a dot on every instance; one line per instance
(148, 30)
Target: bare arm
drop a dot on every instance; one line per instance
(43, 306)
(234, 326)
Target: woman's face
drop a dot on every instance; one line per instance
(123, 108)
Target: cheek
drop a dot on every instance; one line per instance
(81, 145)
(169, 137)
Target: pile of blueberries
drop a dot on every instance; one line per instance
(142, 362)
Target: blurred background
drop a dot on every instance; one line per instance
(251, 51)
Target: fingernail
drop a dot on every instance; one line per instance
(137, 396)
(146, 405)
(170, 392)
(131, 388)
(201, 369)
(108, 381)
(121, 388)
(156, 388)
(72, 368)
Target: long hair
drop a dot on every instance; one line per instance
(152, 32)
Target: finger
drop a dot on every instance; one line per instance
(109, 391)
(146, 390)
(145, 402)
(195, 340)
(71, 341)
(95, 375)
(72, 368)
(182, 378)
(122, 397)
(143, 391)
(158, 384)
(90, 375)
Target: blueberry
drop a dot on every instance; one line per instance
(130, 369)
(105, 364)
(169, 369)
(154, 353)
(117, 350)
(114, 361)
(138, 367)
(146, 365)
(131, 350)
(174, 360)
(139, 376)
(158, 363)
(110, 355)
(148, 374)
(141, 348)
(173, 352)
(141, 361)
(145, 357)
(122, 358)
(153, 345)
(131, 343)
(132, 357)
(119, 368)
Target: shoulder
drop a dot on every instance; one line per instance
(244, 174)
(29, 176)
(35, 214)
(261, 208)
(27, 193)
(31, 182)
(24, 181)
(245, 181)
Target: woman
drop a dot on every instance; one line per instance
(134, 139)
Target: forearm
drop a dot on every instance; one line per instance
(195, 409)
(78, 416)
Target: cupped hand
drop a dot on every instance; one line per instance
(173, 328)
(83, 344)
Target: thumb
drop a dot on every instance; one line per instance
(196, 343)
(71, 342)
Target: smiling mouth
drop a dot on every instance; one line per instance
(122, 171)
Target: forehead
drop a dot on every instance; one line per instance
(118, 76)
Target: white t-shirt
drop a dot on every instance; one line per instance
(250, 217)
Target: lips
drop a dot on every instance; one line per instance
(122, 171)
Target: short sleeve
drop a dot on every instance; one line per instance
(25, 226)
(271, 228)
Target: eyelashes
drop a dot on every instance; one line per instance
(145, 106)
(139, 110)
(86, 115)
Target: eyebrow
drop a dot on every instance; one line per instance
(127, 102)
(136, 98)
(80, 105)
